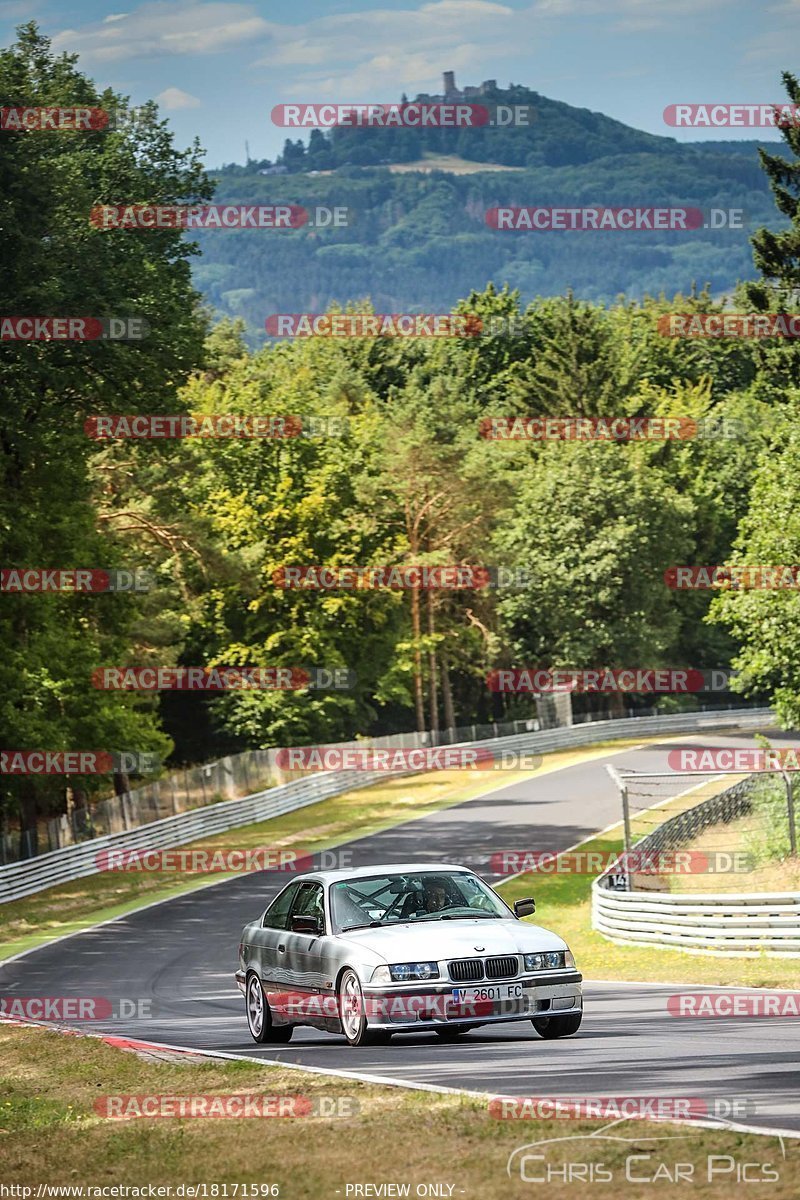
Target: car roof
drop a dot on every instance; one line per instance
(328, 877)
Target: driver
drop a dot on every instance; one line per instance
(434, 895)
(427, 895)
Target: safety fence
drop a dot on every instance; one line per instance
(86, 858)
(231, 777)
(720, 922)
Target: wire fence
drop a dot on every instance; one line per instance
(734, 834)
(252, 771)
(736, 889)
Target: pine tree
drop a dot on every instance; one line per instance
(777, 255)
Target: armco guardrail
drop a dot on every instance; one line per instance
(232, 777)
(726, 923)
(77, 861)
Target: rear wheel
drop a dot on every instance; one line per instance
(259, 1017)
(353, 1015)
(557, 1027)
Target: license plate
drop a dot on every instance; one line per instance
(492, 991)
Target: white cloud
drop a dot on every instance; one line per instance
(350, 54)
(349, 50)
(358, 53)
(174, 98)
(11, 9)
(632, 16)
(770, 47)
(161, 27)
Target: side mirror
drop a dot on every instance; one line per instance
(524, 908)
(306, 925)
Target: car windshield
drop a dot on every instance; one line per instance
(418, 896)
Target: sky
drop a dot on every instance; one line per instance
(217, 67)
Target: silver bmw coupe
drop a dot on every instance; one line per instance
(402, 949)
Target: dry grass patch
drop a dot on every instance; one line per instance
(51, 1133)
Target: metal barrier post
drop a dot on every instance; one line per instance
(790, 811)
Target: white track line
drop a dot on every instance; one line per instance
(389, 1081)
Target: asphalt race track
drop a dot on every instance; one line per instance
(180, 956)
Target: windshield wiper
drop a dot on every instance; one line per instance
(366, 925)
(468, 916)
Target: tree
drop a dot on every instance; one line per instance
(596, 526)
(57, 263)
(766, 621)
(777, 255)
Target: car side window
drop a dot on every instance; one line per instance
(310, 903)
(277, 915)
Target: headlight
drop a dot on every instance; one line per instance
(551, 960)
(402, 972)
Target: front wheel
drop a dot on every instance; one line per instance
(353, 1015)
(557, 1027)
(259, 1018)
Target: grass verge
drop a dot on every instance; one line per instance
(51, 1133)
(755, 846)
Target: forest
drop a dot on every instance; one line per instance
(388, 465)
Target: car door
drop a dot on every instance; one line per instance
(303, 954)
(268, 949)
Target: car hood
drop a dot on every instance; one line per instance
(437, 940)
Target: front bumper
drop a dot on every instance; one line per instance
(431, 1005)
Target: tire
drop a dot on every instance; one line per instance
(352, 1013)
(259, 1018)
(557, 1027)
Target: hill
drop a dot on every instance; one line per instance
(417, 239)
